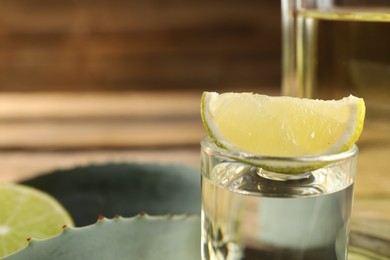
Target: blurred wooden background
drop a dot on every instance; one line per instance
(139, 45)
(94, 82)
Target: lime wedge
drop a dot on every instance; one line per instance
(28, 213)
(282, 126)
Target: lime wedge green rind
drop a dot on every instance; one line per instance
(205, 124)
(361, 113)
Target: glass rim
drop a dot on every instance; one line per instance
(211, 147)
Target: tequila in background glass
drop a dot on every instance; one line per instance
(336, 48)
(250, 213)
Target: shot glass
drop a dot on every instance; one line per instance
(249, 212)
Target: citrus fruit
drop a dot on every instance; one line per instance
(28, 213)
(282, 126)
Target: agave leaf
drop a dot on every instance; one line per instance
(125, 189)
(140, 237)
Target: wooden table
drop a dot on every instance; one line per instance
(40, 132)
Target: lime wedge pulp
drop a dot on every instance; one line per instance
(282, 126)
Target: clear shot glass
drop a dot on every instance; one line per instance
(249, 212)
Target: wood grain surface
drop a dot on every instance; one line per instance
(122, 45)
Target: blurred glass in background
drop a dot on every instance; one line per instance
(334, 48)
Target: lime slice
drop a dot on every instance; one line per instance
(282, 126)
(28, 213)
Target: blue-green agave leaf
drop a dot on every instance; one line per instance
(141, 237)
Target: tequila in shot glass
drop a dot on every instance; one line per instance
(252, 213)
